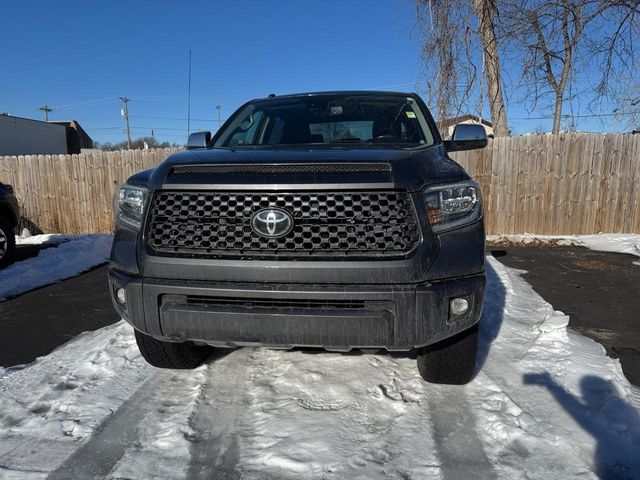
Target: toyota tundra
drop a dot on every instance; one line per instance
(333, 220)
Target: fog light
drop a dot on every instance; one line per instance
(459, 306)
(121, 296)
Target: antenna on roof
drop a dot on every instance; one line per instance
(189, 99)
(272, 95)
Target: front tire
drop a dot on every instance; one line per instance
(161, 354)
(7, 243)
(451, 361)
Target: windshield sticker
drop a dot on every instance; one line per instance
(411, 115)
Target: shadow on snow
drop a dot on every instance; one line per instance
(612, 422)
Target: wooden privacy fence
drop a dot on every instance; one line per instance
(73, 193)
(559, 184)
(545, 184)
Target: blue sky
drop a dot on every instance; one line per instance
(79, 56)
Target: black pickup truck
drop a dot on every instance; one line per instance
(9, 215)
(332, 220)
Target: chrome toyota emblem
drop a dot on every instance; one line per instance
(271, 222)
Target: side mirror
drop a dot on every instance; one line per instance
(466, 136)
(198, 140)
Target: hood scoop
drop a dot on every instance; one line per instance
(282, 169)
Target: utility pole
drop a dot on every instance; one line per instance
(46, 111)
(125, 114)
(218, 107)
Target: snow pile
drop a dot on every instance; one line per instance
(604, 242)
(546, 403)
(42, 239)
(613, 243)
(550, 402)
(71, 256)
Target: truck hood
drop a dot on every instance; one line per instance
(311, 168)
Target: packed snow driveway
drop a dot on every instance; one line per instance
(72, 255)
(545, 404)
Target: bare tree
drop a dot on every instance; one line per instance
(557, 35)
(485, 12)
(449, 67)
(451, 50)
(627, 101)
(334, 132)
(137, 144)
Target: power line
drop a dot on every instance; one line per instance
(385, 87)
(143, 98)
(170, 98)
(173, 118)
(593, 115)
(86, 103)
(95, 129)
(137, 128)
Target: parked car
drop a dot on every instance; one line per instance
(9, 215)
(333, 220)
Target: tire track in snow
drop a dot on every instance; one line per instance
(97, 457)
(51, 408)
(215, 448)
(459, 446)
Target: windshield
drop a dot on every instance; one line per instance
(329, 119)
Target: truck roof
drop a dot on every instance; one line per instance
(338, 92)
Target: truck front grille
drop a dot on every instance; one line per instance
(327, 225)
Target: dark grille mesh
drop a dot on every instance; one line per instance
(218, 224)
(284, 169)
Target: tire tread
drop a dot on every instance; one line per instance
(171, 355)
(9, 255)
(451, 361)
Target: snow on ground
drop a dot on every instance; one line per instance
(42, 239)
(612, 243)
(604, 242)
(546, 404)
(70, 256)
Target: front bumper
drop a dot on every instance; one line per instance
(334, 317)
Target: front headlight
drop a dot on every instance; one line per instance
(129, 205)
(453, 205)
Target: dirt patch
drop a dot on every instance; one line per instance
(598, 265)
(600, 334)
(528, 242)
